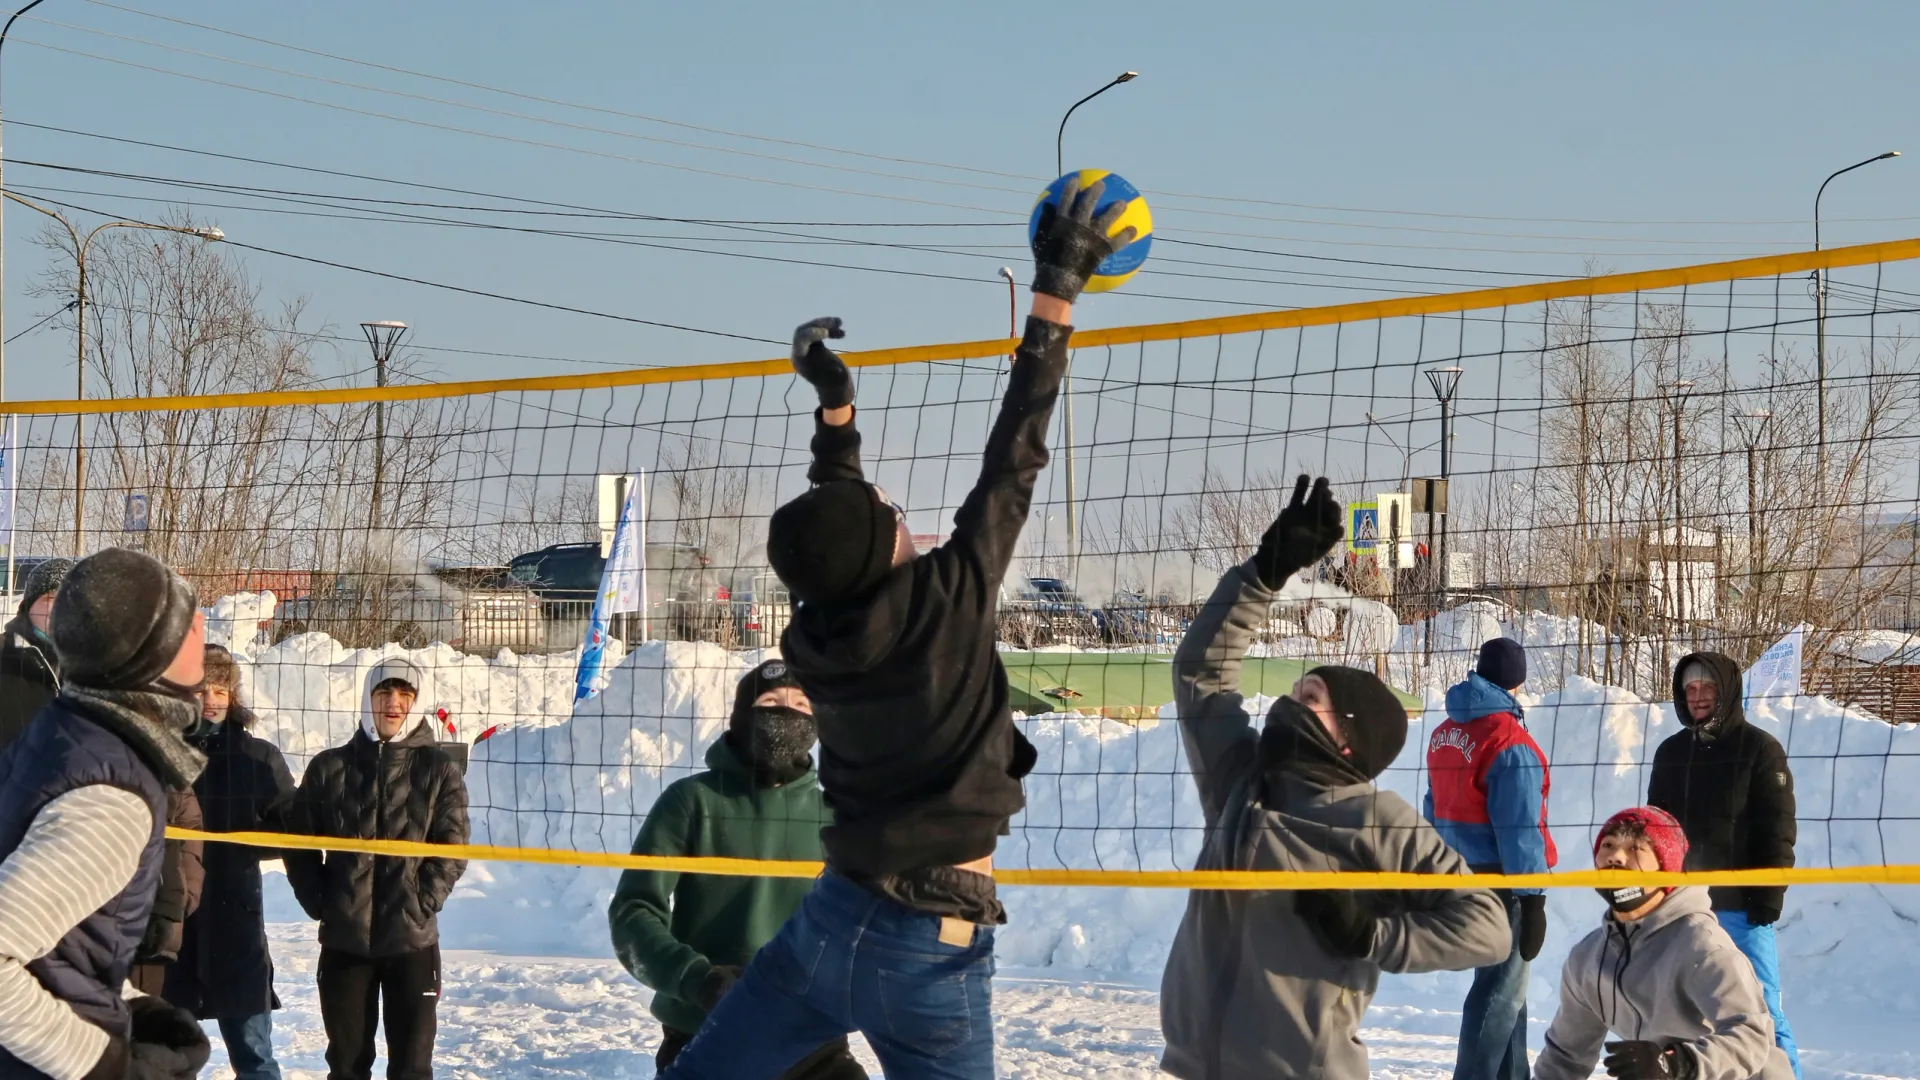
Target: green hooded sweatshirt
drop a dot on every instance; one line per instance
(669, 929)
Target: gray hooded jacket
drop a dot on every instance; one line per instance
(1673, 976)
(1249, 991)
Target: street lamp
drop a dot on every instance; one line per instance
(1820, 309)
(1066, 381)
(1013, 304)
(383, 336)
(1444, 381)
(4, 31)
(80, 248)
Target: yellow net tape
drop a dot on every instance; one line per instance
(1137, 879)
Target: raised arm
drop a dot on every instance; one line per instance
(1434, 930)
(1206, 668)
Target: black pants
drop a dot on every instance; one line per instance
(833, 1061)
(352, 989)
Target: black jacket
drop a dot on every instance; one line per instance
(224, 969)
(404, 789)
(919, 756)
(1728, 784)
(27, 678)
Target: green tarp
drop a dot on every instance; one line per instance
(1130, 686)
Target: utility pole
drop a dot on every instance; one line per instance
(1753, 428)
(383, 336)
(1444, 380)
(1681, 581)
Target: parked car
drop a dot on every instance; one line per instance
(686, 601)
(1045, 611)
(476, 609)
(1134, 618)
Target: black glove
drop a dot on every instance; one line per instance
(817, 364)
(1341, 918)
(718, 980)
(1762, 912)
(1532, 925)
(1069, 244)
(1303, 533)
(167, 1042)
(1642, 1060)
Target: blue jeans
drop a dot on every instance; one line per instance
(849, 960)
(1760, 947)
(1493, 1023)
(249, 1042)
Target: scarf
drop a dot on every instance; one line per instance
(1294, 742)
(152, 723)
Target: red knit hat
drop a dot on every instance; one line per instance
(1663, 833)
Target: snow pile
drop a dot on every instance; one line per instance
(234, 621)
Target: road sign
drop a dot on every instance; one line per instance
(137, 514)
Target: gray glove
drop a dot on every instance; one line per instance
(817, 364)
(1069, 244)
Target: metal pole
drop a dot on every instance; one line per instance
(1820, 312)
(3, 262)
(1446, 474)
(1681, 581)
(80, 394)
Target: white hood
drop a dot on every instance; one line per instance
(396, 667)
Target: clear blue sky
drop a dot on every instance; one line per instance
(1511, 137)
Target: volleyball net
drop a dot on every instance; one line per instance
(1615, 471)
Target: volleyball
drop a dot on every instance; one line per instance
(1116, 268)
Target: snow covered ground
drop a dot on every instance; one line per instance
(531, 992)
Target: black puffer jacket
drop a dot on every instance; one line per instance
(224, 967)
(406, 788)
(1728, 784)
(27, 677)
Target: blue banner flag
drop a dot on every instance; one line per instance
(623, 588)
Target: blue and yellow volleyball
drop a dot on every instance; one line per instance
(1116, 268)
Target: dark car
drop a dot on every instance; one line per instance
(686, 601)
(1046, 611)
(1134, 618)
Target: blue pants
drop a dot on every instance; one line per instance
(850, 960)
(249, 1042)
(1493, 1023)
(1758, 943)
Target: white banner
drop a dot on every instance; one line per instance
(1777, 672)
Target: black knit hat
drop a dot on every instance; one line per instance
(46, 577)
(771, 675)
(120, 619)
(1371, 716)
(834, 543)
(1503, 662)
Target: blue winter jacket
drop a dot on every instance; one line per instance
(1488, 783)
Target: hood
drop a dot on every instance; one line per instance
(1680, 903)
(396, 667)
(831, 639)
(1729, 713)
(1478, 697)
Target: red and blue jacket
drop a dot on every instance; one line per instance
(1488, 782)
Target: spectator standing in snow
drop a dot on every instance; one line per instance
(1728, 784)
(182, 874)
(225, 972)
(919, 755)
(1660, 974)
(379, 928)
(29, 667)
(1487, 796)
(1274, 984)
(83, 806)
(689, 936)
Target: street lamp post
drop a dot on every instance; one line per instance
(1066, 381)
(1820, 310)
(1444, 381)
(4, 31)
(383, 336)
(1013, 304)
(80, 247)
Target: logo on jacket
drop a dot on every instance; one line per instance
(1450, 735)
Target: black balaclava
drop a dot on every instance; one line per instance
(775, 741)
(1371, 718)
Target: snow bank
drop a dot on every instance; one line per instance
(1105, 794)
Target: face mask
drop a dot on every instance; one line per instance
(1625, 898)
(778, 734)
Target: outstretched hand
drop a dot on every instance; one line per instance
(1302, 535)
(817, 364)
(1070, 243)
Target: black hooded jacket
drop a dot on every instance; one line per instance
(919, 757)
(27, 676)
(1728, 784)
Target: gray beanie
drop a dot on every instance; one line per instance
(1696, 671)
(120, 619)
